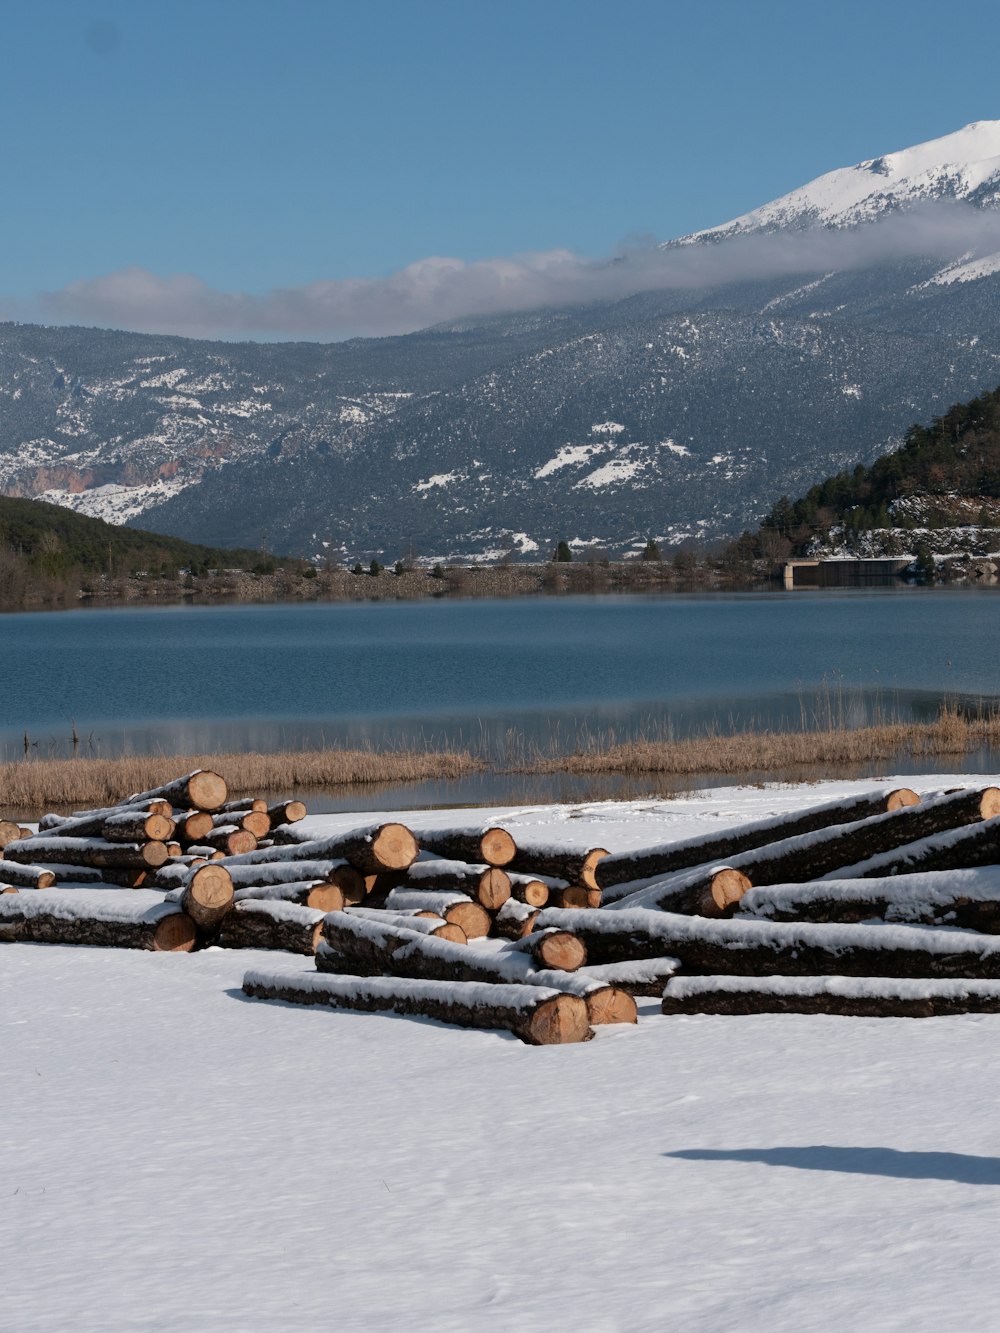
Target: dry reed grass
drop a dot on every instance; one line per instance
(767, 751)
(46, 783)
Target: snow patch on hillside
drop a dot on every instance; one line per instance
(114, 503)
(570, 455)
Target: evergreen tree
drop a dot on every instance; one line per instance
(651, 551)
(563, 554)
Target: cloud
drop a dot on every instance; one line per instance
(437, 290)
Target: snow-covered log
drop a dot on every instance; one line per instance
(664, 859)
(285, 812)
(539, 1017)
(453, 907)
(43, 849)
(88, 823)
(200, 790)
(533, 890)
(746, 946)
(965, 898)
(252, 821)
(8, 832)
(514, 919)
(230, 840)
(551, 947)
(960, 848)
(641, 976)
(192, 825)
(867, 997)
(272, 925)
(487, 885)
(373, 851)
(207, 897)
(318, 894)
(421, 923)
(477, 845)
(137, 826)
(575, 867)
(575, 896)
(371, 948)
(246, 803)
(104, 917)
(343, 876)
(45, 877)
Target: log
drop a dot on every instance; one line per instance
(487, 885)
(8, 832)
(103, 917)
(41, 850)
(207, 897)
(247, 803)
(174, 849)
(478, 846)
(30, 877)
(868, 997)
(642, 976)
(200, 790)
(192, 825)
(813, 855)
(419, 922)
(552, 947)
(531, 889)
(961, 848)
(230, 840)
(320, 895)
(575, 867)
(576, 896)
(370, 947)
(969, 899)
(514, 919)
(285, 812)
(539, 1017)
(665, 858)
(713, 891)
(272, 925)
(88, 823)
(137, 826)
(251, 820)
(373, 851)
(746, 946)
(455, 908)
(348, 880)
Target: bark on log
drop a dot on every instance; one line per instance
(88, 823)
(772, 948)
(105, 918)
(272, 925)
(561, 863)
(532, 890)
(642, 976)
(370, 948)
(962, 848)
(208, 896)
(514, 920)
(343, 876)
(30, 877)
(420, 922)
(969, 899)
(538, 1017)
(487, 885)
(43, 850)
(137, 827)
(576, 896)
(453, 907)
(201, 790)
(650, 862)
(373, 851)
(478, 846)
(285, 812)
(248, 803)
(551, 947)
(873, 997)
(320, 895)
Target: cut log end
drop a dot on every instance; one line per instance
(560, 950)
(990, 803)
(727, 888)
(498, 847)
(450, 931)
(8, 832)
(473, 919)
(207, 790)
(588, 870)
(175, 934)
(611, 1005)
(558, 1021)
(902, 796)
(394, 847)
(326, 898)
(493, 889)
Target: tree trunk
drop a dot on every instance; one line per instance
(969, 899)
(561, 863)
(422, 923)
(41, 850)
(643, 976)
(230, 841)
(551, 947)
(962, 848)
(538, 1017)
(106, 918)
(137, 827)
(208, 896)
(531, 890)
(201, 790)
(271, 925)
(252, 821)
(373, 851)
(514, 919)
(256, 803)
(453, 907)
(769, 948)
(870, 997)
(88, 823)
(193, 826)
(320, 895)
(285, 812)
(32, 877)
(487, 885)
(477, 846)
(650, 862)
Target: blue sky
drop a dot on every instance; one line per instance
(257, 144)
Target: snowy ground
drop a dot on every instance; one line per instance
(176, 1156)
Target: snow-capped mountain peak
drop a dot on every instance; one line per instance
(964, 165)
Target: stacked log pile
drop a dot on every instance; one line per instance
(882, 904)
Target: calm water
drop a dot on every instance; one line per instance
(265, 677)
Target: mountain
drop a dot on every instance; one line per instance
(683, 412)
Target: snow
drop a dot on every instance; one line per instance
(615, 473)
(901, 988)
(570, 455)
(438, 479)
(967, 270)
(179, 1156)
(954, 166)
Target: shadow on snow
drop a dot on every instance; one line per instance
(960, 1167)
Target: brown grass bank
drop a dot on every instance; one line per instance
(44, 783)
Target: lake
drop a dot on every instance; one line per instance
(188, 679)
